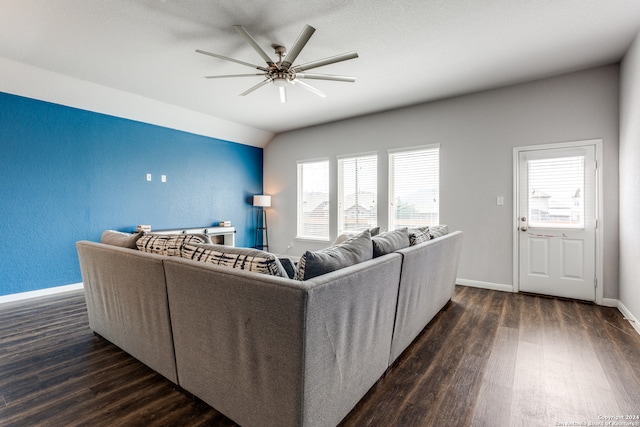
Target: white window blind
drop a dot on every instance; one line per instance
(414, 187)
(556, 192)
(313, 200)
(357, 193)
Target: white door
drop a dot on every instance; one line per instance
(557, 221)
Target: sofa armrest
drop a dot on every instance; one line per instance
(127, 302)
(427, 283)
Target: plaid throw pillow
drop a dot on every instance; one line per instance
(168, 244)
(419, 235)
(239, 258)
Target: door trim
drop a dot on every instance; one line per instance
(599, 208)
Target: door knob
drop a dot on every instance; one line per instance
(523, 228)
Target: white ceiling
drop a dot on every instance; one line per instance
(411, 51)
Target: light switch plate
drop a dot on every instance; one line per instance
(148, 177)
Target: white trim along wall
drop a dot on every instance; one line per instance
(40, 293)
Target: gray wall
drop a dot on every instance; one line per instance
(630, 180)
(476, 134)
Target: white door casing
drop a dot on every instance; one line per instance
(556, 218)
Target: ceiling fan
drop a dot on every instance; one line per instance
(283, 73)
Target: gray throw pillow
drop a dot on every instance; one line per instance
(353, 251)
(436, 231)
(118, 238)
(390, 241)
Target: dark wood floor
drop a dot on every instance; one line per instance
(488, 359)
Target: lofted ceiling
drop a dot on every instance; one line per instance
(410, 51)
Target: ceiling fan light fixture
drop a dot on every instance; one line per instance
(280, 81)
(282, 72)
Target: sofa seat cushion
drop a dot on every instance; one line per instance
(240, 258)
(353, 251)
(390, 241)
(118, 238)
(168, 244)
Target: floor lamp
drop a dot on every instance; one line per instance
(262, 235)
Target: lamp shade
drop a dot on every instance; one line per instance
(262, 200)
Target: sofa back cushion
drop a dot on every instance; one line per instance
(390, 241)
(353, 251)
(436, 231)
(229, 256)
(118, 238)
(168, 244)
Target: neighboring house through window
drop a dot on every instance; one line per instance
(357, 193)
(414, 192)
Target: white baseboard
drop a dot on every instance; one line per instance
(629, 316)
(485, 285)
(40, 293)
(610, 302)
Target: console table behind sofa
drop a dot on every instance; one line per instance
(219, 235)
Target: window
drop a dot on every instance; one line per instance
(414, 187)
(357, 193)
(556, 192)
(313, 200)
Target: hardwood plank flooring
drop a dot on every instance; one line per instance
(488, 359)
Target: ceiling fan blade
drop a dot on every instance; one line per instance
(310, 88)
(258, 86)
(326, 61)
(233, 75)
(283, 94)
(297, 47)
(244, 33)
(226, 58)
(325, 77)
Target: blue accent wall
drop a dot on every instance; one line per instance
(68, 174)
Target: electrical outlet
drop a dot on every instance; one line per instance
(500, 200)
(290, 245)
(163, 178)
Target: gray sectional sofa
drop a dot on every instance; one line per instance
(266, 350)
